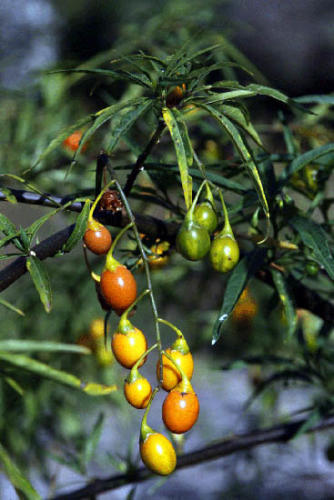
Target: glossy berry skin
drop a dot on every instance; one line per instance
(171, 376)
(224, 253)
(138, 393)
(98, 241)
(193, 241)
(118, 287)
(205, 216)
(158, 454)
(128, 347)
(180, 411)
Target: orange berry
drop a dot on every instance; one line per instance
(73, 140)
(138, 392)
(180, 410)
(118, 287)
(98, 240)
(128, 347)
(158, 454)
(175, 96)
(170, 375)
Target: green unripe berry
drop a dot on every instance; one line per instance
(224, 253)
(192, 241)
(205, 216)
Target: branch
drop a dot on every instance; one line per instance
(139, 165)
(280, 433)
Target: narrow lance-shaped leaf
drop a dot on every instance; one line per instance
(286, 301)
(314, 237)
(22, 345)
(43, 370)
(124, 120)
(93, 440)
(10, 306)
(79, 228)
(239, 277)
(41, 281)
(235, 114)
(15, 476)
(180, 150)
(239, 143)
(304, 159)
(7, 226)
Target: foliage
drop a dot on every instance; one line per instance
(161, 146)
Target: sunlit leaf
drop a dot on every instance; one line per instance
(10, 306)
(174, 130)
(236, 115)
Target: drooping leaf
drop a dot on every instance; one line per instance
(286, 301)
(185, 137)
(239, 277)
(46, 371)
(79, 228)
(316, 99)
(242, 148)
(315, 238)
(304, 159)
(41, 281)
(15, 476)
(10, 306)
(174, 130)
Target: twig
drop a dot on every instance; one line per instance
(142, 157)
(280, 433)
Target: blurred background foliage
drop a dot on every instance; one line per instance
(41, 422)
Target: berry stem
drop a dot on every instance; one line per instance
(173, 327)
(145, 429)
(143, 356)
(190, 213)
(97, 199)
(227, 229)
(124, 316)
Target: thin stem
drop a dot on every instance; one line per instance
(138, 299)
(146, 268)
(101, 163)
(144, 428)
(91, 212)
(118, 237)
(139, 165)
(178, 368)
(173, 327)
(143, 356)
(105, 326)
(227, 226)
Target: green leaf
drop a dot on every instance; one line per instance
(239, 277)
(41, 281)
(79, 228)
(14, 385)
(93, 440)
(174, 130)
(7, 226)
(317, 99)
(185, 137)
(9, 195)
(45, 371)
(20, 483)
(124, 120)
(305, 159)
(138, 78)
(10, 306)
(286, 301)
(314, 237)
(22, 345)
(236, 115)
(240, 145)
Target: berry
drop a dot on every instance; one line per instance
(98, 241)
(129, 346)
(73, 140)
(192, 241)
(180, 409)
(118, 287)
(96, 329)
(137, 390)
(312, 268)
(170, 375)
(175, 96)
(224, 253)
(158, 454)
(206, 216)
